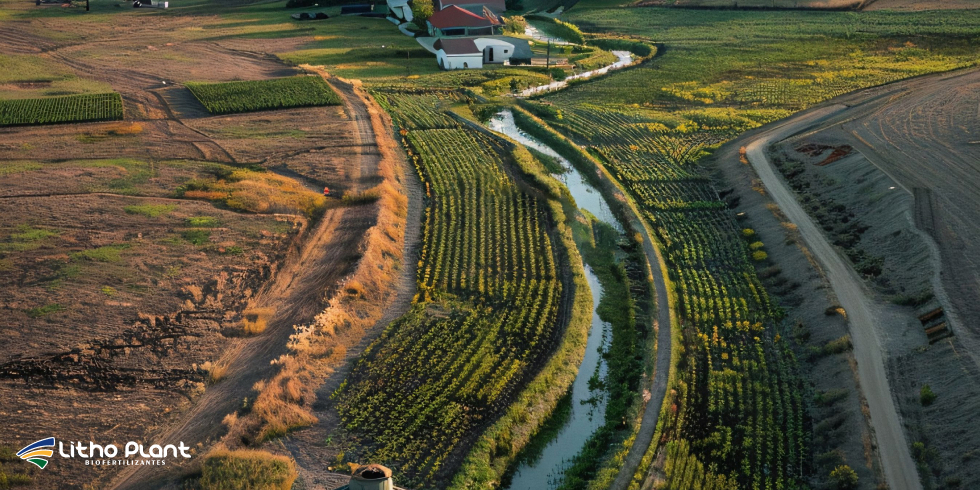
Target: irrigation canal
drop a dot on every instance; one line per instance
(588, 408)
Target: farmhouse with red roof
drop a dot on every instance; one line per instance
(456, 21)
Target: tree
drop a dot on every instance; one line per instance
(844, 478)
(421, 11)
(515, 24)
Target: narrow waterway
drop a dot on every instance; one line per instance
(625, 58)
(586, 196)
(588, 407)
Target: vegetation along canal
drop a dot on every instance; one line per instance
(578, 418)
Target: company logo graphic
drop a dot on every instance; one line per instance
(36, 452)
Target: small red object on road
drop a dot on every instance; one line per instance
(326, 191)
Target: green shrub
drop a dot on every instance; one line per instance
(203, 221)
(197, 236)
(515, 24)
(759, 256)
(107, 253)
(838, 346)
(640, 49)
(247, 469)
(829, 398)
(45, 310)
(926, 396)
(560, 29)
(844, 478)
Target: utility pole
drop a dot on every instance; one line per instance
(547, 62)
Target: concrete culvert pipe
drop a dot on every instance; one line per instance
(371, 477)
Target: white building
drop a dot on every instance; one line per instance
(458, 53)
(494, 50)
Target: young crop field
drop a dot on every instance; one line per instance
(419, 111)
(259, 95)
(738, 401)
(64, 109)
(735, 416)
(486, 316)
(785, 59)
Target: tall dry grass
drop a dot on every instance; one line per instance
(284, 402)
(224, 469)
(256, 320)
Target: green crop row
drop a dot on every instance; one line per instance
(65, 109)
(258, 95)
(487, 316)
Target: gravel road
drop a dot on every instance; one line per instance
(862, 315)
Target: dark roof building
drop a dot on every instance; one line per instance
(462, 45)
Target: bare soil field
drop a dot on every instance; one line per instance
(911, 175)
(123, 299)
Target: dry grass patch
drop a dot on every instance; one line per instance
(243, 469)
(255, 191)
(256, 320)
(216, 370)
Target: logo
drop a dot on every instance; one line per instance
(35, 452)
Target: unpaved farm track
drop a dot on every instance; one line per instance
(896, 459)
(298, 292)
(922, 133)
(307, 446)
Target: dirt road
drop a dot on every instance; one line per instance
(862, 314)
(298, 292)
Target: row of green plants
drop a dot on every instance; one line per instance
(734, 415)
(419, 111)
(488, 315)
(258, 95)
(63, 109)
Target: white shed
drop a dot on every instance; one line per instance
(494, 50)
(458, 53)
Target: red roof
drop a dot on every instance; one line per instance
(453, 16)
(463, 45)
(495, 6)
